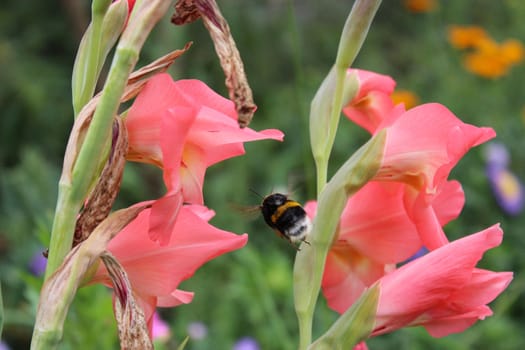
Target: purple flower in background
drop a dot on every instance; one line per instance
(417, 255)
(160, 329)
(506, 187)
(497, 155)
(246, 343)
(197, 330)
(3, 346)
(37, 265)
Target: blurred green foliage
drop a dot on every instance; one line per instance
(287, 47)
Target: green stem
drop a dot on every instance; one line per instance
(63, 228)
(305, 329)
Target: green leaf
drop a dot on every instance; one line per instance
(184, 343)
(354, 326)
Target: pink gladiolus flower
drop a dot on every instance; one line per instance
(372, 101)
(156, 271)
(423, 145)
(183, 127)
(442, 290)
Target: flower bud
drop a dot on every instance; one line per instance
(354, 325)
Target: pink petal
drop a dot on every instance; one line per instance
(467, 305)
(361, 346)
(192, 173)
(176, 298)
(145, 117)
(372, 101)
(483, 287)
(176, 125)
(221, 138)
(424, 143)
(347, 274)
(201, 94)
(430, 211)
(163, 217)
(370, 111)
(431, 280)
(371, 81)
(457, 324)
(158, 270)
(448, 202)
(375, 223)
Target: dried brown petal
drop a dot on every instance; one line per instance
(132, 326)
(185, 12)
(101, 199)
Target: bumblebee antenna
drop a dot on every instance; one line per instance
(256, 193)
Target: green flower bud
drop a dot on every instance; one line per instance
(354, 326)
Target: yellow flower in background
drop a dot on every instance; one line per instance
(464, 37)
(486, 57)
(420, 6)
(408, 98)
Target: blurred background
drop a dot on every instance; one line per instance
(467, 55)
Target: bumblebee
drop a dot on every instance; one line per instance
(286, 217)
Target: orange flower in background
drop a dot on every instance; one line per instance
(464, 37)
(420, 6)
(406, 97)
(512, 51)
(485, 65)
(486, 58)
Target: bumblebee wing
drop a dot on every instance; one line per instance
(250, 212)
